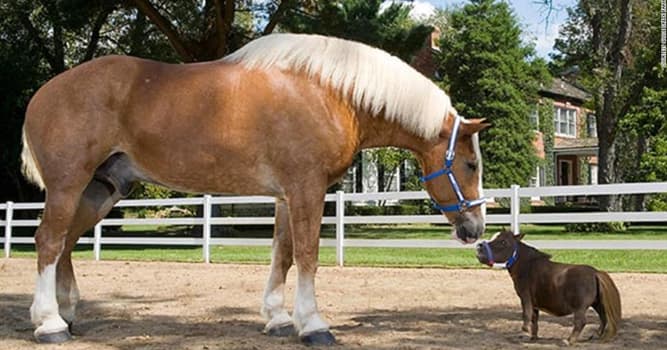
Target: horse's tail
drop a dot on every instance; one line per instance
(610, 301)
(29, 168)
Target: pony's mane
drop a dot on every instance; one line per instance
(377, 81)
(534, 253)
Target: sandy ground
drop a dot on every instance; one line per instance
(139, 305)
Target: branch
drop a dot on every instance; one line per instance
(34, 33)
(622, 38)
(58, 63)
(223, 24)
(276, 16)
(95, 35)
(145, 7)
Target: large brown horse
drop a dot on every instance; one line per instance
(283, 116)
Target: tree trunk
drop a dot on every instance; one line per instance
(608, 115)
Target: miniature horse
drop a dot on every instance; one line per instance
(559, 289)
(283, 116)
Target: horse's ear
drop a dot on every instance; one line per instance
(471, 126)
(520, 236)
(447, 126)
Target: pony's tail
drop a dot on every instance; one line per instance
(610, 301)
(29, 167)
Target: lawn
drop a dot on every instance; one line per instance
(610, 260)
(425, 231)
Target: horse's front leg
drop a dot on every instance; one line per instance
(305, 217)
(279, 323)
(527, 310)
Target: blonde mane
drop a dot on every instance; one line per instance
(377, 81)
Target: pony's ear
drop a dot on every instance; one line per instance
(471, 126)
(520, 236)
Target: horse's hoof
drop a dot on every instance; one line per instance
(318, 338)
(54, 338)
(281, 331)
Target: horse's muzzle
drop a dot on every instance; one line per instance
(468, 228)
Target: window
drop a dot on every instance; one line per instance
(593, 174)
(591, 125)
(565, 121)
(350, 180)
(535, 119)
(535, 180)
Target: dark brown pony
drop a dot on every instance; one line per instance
(559, 289)
(284, 116)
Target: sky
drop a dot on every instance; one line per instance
(531, 14)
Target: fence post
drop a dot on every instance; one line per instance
(515, 208)
(9, 214)
(340, 228)
(97, 240)
(206, 230)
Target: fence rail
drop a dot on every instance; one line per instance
(514, 218)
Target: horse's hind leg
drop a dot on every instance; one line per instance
(579, 323)
(74, 203)
(95, 203)
(279, 321)
(59, 211)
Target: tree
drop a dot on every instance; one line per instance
(391, 29)
(490, 73)
(615, 43)
(205, 31)
(39, 40)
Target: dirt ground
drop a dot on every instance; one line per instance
(139, 305)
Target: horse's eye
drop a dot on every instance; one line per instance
(503, 243)
(472, 166)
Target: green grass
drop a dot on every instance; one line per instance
(609, 260)
(425, 231)
(533, 232)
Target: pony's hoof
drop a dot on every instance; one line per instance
(318, 338)
(281, 331)
(54, 338)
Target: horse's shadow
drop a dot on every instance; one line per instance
(499, 327)
(240, 328)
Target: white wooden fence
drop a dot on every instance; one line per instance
(513, 219)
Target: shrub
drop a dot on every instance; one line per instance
(607, 227)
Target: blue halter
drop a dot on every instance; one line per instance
(489, 254)
(462, 204)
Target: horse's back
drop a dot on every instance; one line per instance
(170, 119)
(560, 289)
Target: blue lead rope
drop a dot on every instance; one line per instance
(462, 204)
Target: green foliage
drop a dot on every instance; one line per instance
(546, 127)
(20, 71)
(391, 30)
(616, 70)
(147, 191)
(648, 120)
(608, 227)
(489, 73)
(657, 203)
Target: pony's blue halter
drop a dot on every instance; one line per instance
(492, 262)
(462, 204)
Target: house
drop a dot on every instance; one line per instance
(575, 147)
(574, 152)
